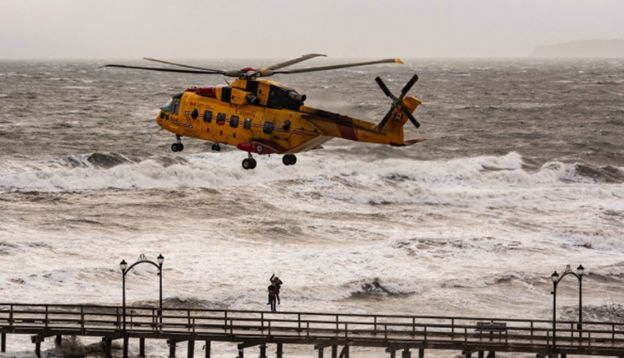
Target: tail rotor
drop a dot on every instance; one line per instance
(397, 102)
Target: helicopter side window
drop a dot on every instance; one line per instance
(208, 116)
(252, 86)
(284, 98)
(221, 118)
(226, 94)
(268, 127)
(234, 121)
(247, 123)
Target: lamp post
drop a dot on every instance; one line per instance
(123, 265)
(580, 271)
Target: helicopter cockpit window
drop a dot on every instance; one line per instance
(285, 98)
(167, 106)
(173, 104)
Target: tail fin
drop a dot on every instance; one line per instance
(392, 125)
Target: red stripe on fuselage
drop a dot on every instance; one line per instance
(346, 131)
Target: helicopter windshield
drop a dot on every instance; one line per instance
(167, 106)
(172, 105)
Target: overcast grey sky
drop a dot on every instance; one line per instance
(289, 28)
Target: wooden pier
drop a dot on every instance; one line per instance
(336, 332)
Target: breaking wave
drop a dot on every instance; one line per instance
(104, 171)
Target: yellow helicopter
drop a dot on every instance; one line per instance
(264, 117)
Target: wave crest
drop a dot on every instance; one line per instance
(102, 171)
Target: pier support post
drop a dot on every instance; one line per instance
(334, 349)
(467, 354)
(491, 354)
(263, 351)
(37, 341)
(3, 342)
(480, 354)
(421, 353)
(241, 352)
(345, 352)
(108, 346)
(142, 347)
(172, 348)
(207, 349)
(320, 351)
(280, 352)
(125, 347)
(191, 348)
(406, 353)
(58, 341)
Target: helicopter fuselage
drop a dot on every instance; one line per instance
(261, 116)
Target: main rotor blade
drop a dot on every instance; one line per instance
(409, 85)
(269, 69)
(410, 116)
(164, 69)
(333, 67)
(183, 65)
(384, 88)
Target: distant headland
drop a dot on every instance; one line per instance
(585, 48)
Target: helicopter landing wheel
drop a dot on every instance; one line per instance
(216, 147)
(177, 147)
(249, 163)
(289, 159)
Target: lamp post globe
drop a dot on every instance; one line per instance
(554, 277)
(580, 270)
(160, 259)
(123, 265)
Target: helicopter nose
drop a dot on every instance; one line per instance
(159, 118)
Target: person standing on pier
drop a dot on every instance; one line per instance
(275, 281)
(272, 297)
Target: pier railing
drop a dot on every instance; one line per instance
(388, 331)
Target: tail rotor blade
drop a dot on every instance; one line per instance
(383, 87)
(410, 116)
(385, 119)
(409, 85)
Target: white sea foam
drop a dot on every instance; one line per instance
(79, 173)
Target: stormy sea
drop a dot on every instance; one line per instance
(522, 173)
